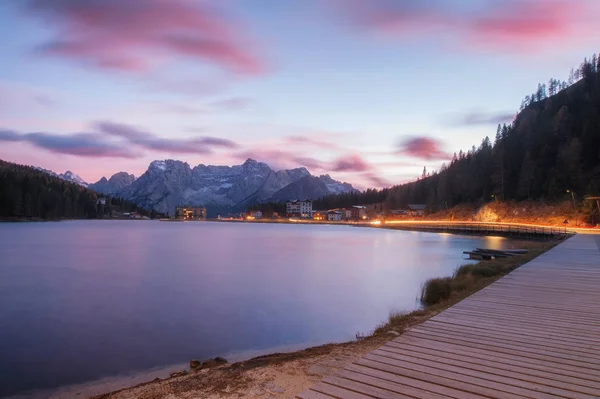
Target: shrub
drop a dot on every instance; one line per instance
(435, 291)
(479, 270)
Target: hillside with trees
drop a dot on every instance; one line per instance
(28, 193)
(551, 149)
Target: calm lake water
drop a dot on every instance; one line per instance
(84, 300)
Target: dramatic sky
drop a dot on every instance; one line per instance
(369, 91)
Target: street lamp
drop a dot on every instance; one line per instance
(574, 207)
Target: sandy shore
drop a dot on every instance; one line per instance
(280, 375)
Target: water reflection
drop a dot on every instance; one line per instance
(83, 300)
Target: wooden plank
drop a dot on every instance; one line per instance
(489, 322)
(556, 315)
(516, 336)
(562, 326)
(542, 317)
(523, 351)
(466, 383)
(493, 373)
(565, 325)
(591, 312)
(482, 337)
(389, 386)
(543, 371)
(455, 347)
(359, 387)
(337, 392)
(521, 329)
(423, 387)
(310, 394)
(524, 309)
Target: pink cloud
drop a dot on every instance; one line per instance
(521, 22)
(308, 141)
(131, 35)
(232, 104)
(423, 148)
(391, 17)
(481, 117)
(311, 163)
(149, 141)
(79, 144)
(352, 163)
(376, 181)
(509, 24)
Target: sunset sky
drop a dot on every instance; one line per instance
(369, 91)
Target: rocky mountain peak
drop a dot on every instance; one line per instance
(169, 183)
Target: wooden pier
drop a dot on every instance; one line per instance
(480, 228)
(534, 333)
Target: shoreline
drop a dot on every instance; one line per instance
(291, 372)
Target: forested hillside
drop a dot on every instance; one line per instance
(552, 146)
(26, 192)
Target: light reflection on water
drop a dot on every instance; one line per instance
(89, 299)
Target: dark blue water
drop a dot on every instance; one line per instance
(88, 299)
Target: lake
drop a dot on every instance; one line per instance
(83, 300)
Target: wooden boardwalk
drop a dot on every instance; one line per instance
(535, 333)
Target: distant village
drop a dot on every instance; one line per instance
(295, 210)
(303, 209)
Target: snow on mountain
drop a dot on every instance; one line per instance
(334, 186)
(169, 183)
(49, 172)
(68, 176)
(73, 177)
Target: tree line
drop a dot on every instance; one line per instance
(26, 192)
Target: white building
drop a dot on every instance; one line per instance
(301, 209)
(416, 209)
(334, 216)
(256, 215)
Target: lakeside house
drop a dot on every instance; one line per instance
(190, 213)
(399, 212)
(301, 209)
(416, 209)
(100, 205)
(358, 212)
(335, 215)
(255, 215)
(319, 215)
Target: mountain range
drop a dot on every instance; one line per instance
(170, 183)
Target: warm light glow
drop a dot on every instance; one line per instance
(376, 222)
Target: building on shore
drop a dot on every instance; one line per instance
(301, 209)
(190, 213)
(254, 215)
(358, 212)
(100, 206)
(320, 215)
(416, 209)
(335, 215)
